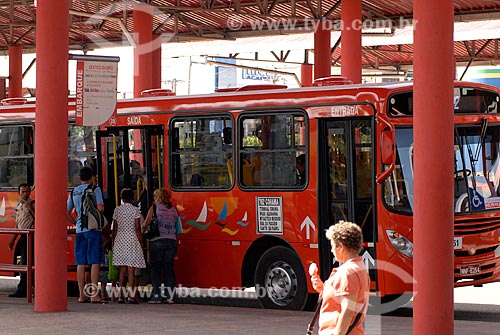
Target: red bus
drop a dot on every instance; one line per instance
(250, 218)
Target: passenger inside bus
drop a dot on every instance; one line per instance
(227, 139)
(74, 167)
(300, 164)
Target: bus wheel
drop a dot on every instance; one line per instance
(280, 281)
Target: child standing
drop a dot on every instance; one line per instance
(127, 249)
(103, 274)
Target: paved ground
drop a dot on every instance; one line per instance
(17, 317)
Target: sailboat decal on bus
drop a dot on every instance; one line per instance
(202, 218)
(222, 216)
(243, 221)
(3, 218)
(203, 214)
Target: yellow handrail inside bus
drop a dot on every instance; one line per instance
(158, 159)
(140, 186)
(115, 168)
(366, 216)
(342, 211)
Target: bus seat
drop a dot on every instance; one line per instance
(247, 172)
(196, 179)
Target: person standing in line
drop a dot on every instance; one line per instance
(345, 293)
(25, 219)
(127, 236)
(164, 247)
(89, 247)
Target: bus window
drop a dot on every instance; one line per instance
(81, 152)
(202, 152)
(16, 155)
(467, 100)
(270, 147)
(477, 172)
(398, 187)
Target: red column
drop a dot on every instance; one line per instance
(143, 59)
(351, 40)
(433, 136)
(322, 54)
(51, 152)
(306, 74)
(15, 71)
(156, 62)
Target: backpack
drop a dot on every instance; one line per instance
(90, 216)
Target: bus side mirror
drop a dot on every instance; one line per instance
(387, 147)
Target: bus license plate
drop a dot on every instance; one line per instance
(471, 269)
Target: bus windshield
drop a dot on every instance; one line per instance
(477, 170)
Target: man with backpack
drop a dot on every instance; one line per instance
(89, 249)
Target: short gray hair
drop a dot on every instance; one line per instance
(347, 233)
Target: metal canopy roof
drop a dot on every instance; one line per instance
(104, 23)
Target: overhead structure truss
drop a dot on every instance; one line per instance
(104, 23)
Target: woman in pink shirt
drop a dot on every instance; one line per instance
(345, 292)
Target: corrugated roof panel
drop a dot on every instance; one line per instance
(193, 19)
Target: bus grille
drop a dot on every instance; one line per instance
(479, 251)
(476, 226)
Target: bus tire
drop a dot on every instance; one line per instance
(280, 281)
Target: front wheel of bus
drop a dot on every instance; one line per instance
(280, 281)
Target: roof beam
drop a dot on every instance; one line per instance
(332, 9)
(129, 37)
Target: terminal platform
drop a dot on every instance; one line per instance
(199, 317)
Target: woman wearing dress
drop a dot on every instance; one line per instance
(127, 248)
(164, 247)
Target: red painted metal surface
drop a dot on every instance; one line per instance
(351, 40)
(433, 140)
(322, 54)
(51, 154)
(143, 53)
(15, 71)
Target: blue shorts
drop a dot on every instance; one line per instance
(89, 248)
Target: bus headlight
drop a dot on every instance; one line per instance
(401, 243)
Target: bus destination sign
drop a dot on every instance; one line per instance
(269, 215)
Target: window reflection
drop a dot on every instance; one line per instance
(202, 152)
(273, 151)
(16, 155)
(81, 151)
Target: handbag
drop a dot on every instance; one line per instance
(310, 326)
(152, 230)
(113, 270)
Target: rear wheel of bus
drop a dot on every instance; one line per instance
(280, 281)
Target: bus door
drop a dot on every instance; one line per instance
(130, 158)
(346, 185)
